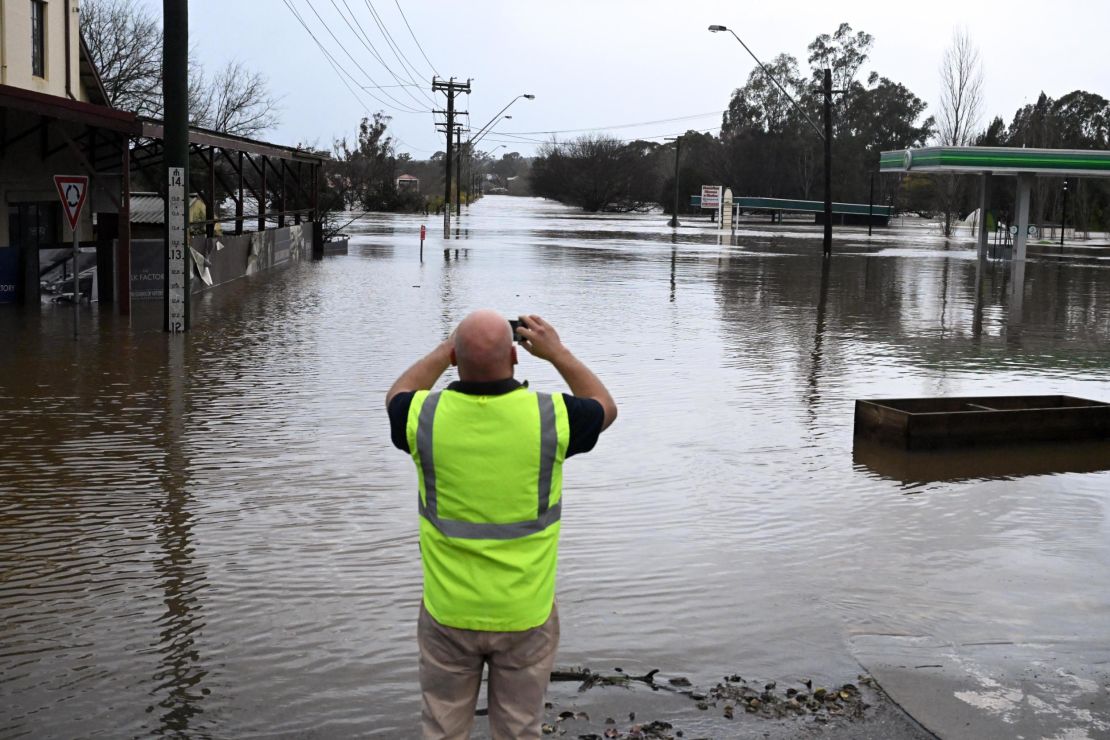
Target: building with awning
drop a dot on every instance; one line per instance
(55, 119)
(987, 162)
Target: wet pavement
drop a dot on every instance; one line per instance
(211, 536)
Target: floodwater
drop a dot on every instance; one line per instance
(212, 536)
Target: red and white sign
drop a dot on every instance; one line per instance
(423, 232)
(710, 196)
(72, 189)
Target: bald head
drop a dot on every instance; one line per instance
(484, 348)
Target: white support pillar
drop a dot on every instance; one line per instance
(1021, 214)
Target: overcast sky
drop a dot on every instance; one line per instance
(607, 63)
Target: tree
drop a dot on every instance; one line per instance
(235, 100)
(598, 173)
(843, 53)
(369, 166)
(769, 148)
(125, 43)
(961, 105)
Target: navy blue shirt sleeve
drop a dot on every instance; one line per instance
(399, 419)
(585, 417)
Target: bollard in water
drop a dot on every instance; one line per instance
(423, 232)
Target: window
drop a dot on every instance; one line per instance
(38, 38)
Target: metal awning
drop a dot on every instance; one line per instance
(997, 161)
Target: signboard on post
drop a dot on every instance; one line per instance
(176, 282)
(73, 189)
(710, 196)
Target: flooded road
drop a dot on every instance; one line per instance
(213, 536)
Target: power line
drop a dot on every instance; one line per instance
(389, 39)
(621, 125)
(364, 39)
(418, 46)
(496, 138)
(339, 69)
(398, 103)
(340, 74)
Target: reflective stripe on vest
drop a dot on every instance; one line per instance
(547, 514)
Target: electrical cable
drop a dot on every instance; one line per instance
(339, 69)
(418, 46)
(622, 125)
(389, 39)
(399, 104)
(365, 41)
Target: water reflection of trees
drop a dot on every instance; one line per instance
(937, 311)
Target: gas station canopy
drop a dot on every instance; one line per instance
(988, 161)
(997, 161)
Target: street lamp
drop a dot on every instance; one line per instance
(826, 135)
(485, 130)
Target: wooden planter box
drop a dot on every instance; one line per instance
(933, 423)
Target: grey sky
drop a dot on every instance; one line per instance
(604, 63)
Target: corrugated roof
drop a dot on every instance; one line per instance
(148, 208)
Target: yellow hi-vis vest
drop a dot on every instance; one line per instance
(491, 476)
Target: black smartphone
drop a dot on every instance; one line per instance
(514, 323)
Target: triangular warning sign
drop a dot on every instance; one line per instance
(72, 189)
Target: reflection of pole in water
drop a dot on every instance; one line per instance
(977, 314)
(813, 397)
(674, 256)
(180, 670)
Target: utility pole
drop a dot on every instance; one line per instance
(677, 153)
(451, 88)
(175, 90)
(827, 88)
(458, 169)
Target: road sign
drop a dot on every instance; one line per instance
(72, 189)
(710, 196)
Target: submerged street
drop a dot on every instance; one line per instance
(210, 534)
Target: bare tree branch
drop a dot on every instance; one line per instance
(125, 42)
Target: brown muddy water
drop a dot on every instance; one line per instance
(212, 536)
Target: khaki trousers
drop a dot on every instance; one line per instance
(451, 663)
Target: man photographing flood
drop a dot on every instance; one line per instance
(489, 454)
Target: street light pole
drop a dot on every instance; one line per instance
(827, 88)
(497, 117)
(826, 134)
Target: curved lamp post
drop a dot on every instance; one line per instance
(485, 130)
(825, 135)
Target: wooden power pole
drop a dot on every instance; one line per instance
(451, 89)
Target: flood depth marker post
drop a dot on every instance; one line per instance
(176, 274)
(73, 189)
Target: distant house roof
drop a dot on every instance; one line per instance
(408, 177)
(149, 208)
